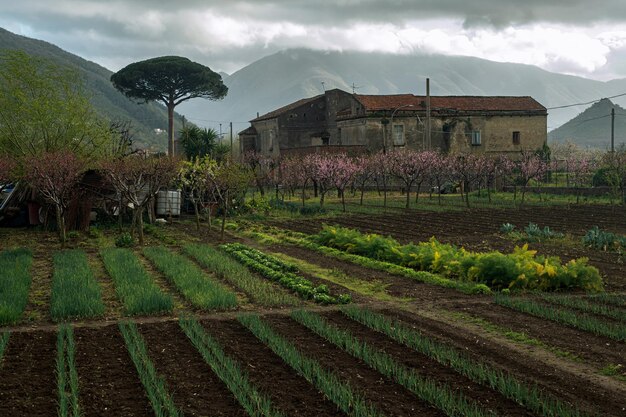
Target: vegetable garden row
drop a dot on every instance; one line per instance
(208, 282)
(367, 325)
(355, 361)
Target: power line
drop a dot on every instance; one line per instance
(584, 104)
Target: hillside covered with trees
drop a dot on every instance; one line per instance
(108, 102)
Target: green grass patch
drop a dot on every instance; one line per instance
(228, 370)
(15, 279)
(564, 316)
(133, 284)
(226, 268)
(67, 376)
(201, 290)
(154, 384)
(616, 371)
(339, 392)
(438, 395)
(75, 290)
(528, 396)
(374, 289)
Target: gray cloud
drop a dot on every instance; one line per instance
(229, 34)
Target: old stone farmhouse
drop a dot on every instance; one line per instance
(337, 121)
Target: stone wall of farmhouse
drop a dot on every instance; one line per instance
(267, 137)
(498, 134)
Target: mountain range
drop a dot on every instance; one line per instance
(290, 75)
(592, 127)
(108, 102)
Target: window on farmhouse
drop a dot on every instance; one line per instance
(516, 137)
(398, 135)
(475, 137)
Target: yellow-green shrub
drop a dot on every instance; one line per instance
(522, 269)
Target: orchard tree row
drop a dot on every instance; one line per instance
(414, 170)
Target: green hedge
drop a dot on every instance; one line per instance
(522, 269)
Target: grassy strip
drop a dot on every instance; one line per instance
(67, 376)
(584, 305)
(202, 291)
(261, 291)
(236, 379)
(273, 235)
(438, 395)
(302, 286)
(375, 289)
(570, 318)
(162, 402)
(133, 285)
(520, 269)
(518, 337)
(14, 283)
(420, 276)
(75, 290)
(4, 341)
(507, 385)
(327, 382)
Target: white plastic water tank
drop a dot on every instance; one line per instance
(168, 203)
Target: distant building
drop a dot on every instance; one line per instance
(337, 121)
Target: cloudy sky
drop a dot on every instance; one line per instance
(568, 36)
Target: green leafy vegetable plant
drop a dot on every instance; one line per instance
(280, 272)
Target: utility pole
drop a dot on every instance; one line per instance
(428, 113)
(613, 129)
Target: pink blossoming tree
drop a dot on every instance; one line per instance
(55, 176)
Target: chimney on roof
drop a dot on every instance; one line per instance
(257, 115)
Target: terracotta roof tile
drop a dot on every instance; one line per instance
(459, 103)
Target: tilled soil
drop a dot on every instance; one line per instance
(597, 350)
(382, 393)
(108, 381)
(478, 229)
(289, 392)
(28, 376)
(558, 382)
(196, 390)
(428, 368)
